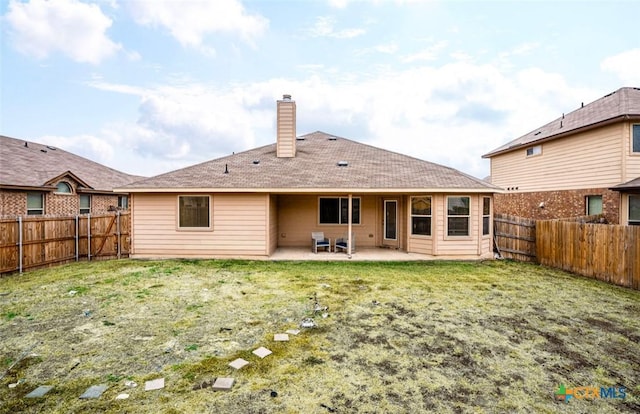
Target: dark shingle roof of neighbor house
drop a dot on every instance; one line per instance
(36, 165)
(315, 167)
(633, 185)
(616, 106)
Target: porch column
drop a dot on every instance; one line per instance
(350, 213)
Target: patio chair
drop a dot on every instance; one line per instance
(318, 240)
(342, 243)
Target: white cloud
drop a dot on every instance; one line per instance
(625, 66)
(324, 27)
(427, 54)
(190, 21)
(40, 28)
(450, 114)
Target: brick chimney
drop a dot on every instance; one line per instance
(286, 144)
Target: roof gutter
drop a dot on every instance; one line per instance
(28, 187)
(585, 128)
(185, 190)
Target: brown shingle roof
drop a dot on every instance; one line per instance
(633, 185)
(315, 166)
(36, 165)
(619, 105)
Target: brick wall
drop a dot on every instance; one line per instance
(14, 203)
(557, 204)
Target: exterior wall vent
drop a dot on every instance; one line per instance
(343, 164)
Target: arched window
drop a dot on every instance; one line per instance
(63, 188)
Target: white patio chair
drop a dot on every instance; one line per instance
(319, 241)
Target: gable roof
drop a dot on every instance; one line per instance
(28, 165)
(623, 104)
(314, 168)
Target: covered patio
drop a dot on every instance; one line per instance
(362, 254)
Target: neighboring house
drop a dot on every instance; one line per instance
(585, 162)
(41, 180)
(253, 202)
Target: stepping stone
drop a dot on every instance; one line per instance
(122, 396)
(223, 384)
(281, 337)
(262, 352)
(293, 331)
(94, 391)
(153, 385)
(39, 392)
(238, 363)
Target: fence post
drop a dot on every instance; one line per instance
(77, 238)
(118, 232)
(20, 243)
(88, 237)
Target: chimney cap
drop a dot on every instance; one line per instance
(286, 97)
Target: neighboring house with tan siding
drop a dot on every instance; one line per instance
(585, 162)
(253, 202)
(42, 180)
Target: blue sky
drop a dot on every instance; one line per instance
(151, 86)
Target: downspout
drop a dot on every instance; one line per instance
(350, 227)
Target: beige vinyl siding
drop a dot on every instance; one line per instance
(298, 217)
(458, 245)
(239, 227)
(589, 160)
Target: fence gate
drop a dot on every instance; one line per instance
(515, 237)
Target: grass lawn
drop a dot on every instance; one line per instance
(415, 337)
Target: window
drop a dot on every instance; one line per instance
(634, 210)
(536, 150)
(193, 212)
(594, 205)
(123, 202)
(35, 204)
(63, 187)
(486, 215)
(421, 216)
(457, 216)
(85, 204)
(636, 138)
(336, 210)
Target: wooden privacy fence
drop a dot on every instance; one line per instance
(515, 237)
(29, 242)
(605, 252)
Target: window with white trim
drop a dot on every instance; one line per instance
(194, 212)
(334, 210)
(535, 150)
(634, 210)
(123, 202)
(35, 204)
(421, 216)
(458, 214)
(635, 136)
(85, 204)
(486, 215)
(594, 205)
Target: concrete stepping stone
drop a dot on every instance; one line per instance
(262, 352)
(238, 363)
(153, 385)
(281, 337)
(223, 384)
(122, 396)
(293, 331)
(39, 392)
(94, 391)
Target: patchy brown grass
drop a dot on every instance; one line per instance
(400, 337)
